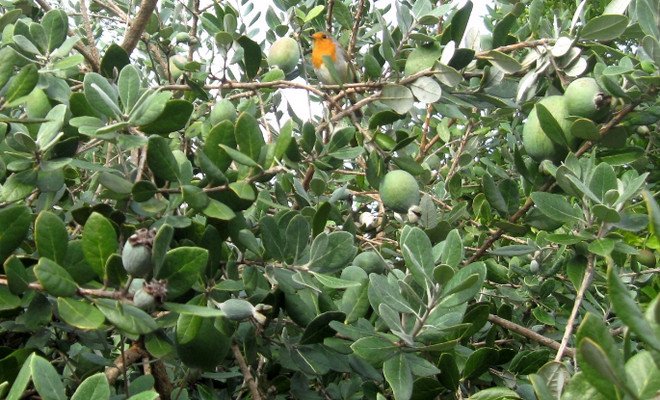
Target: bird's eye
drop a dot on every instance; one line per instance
(324, 36)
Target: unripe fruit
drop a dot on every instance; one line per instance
(136, 254)
(284, 54)
(399, 191)
(144, 300)
(370, 261)
(537, 144)
(534, 266)
(237, 309)
(176, 64)
(646, 257)
(223, 110)
(182, 37)
(584, 98)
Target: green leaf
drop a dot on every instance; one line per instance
(129, 86)
(160, 159)
(319, 328)
(22, 84)
(504, 62)
(399, 98)
(628, 310)
(556, 207)
(478, 362)
(239, 157)
(331, 251)
(191, 309)
(495, 393)
(99, 242)
(143, 191)
(55, 279)
(79, 314)
(218, 210)
(174, 117)
(297, 236)
(399, 376)
(464, 285)
(652, 208)
(146, 395)
(426, 90)
(115, 58)
(15, 221)
(452, 250)
(374, 349)
(101, 95)
(46, 380)
(602, 247)
(50, 236)
(115, 183)
(604, 27)
(182, 267)
(417, 254)
(647, 16)
(126, 317)
(459, 23)
(383, 291)
(17, 276)
(644, 374)
(602, 180)
(249, 138)
(550, 126)
(8, 301)
(251, 56)
(422, 58)
(150, 107)
(335, 283)
(584, 128)
(93, 387)
(601, 373)
(55, 24)
(50, 131)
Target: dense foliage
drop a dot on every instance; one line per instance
(171, 226)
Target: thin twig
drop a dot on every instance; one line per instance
(459, 152)
(354, 31)
(109, 294)
(247, 375)
(528, 333)
(87, 25)
(330, 6)
(586, 281)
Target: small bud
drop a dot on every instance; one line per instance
(136, 255)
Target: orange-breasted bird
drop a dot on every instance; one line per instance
(326, 51)
(325, 47)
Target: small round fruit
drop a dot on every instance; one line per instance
(399, 191)
(534, 266)
(237, 309)
(206, 348)
(223, 110)
(136, 259)
(370, 261)
(144, 300)
(182, 37)
(584, 98)
(176, 64)
(646, 257)
(284, 54)
(537, 144)
(136, 254)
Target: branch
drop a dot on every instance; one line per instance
(162, 382)
(354, 31)
(461, 148)
(586, 281)
(529, 334)
(84, 12)
(122, 362)
(247, 375)
(330, 5)
(516, 46)
(89, 57)
(138, 25)
(109, 294)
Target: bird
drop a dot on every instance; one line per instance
(326, 50)
(325, 47)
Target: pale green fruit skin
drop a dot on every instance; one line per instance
(175, 71)
(284, 54)
(144, 300)
(207, 349)
(646, 257)
(580, 98)
(370, 262)
(237, 309)
(136, 260)
(537, 144)
(399, 191)
(223, 110)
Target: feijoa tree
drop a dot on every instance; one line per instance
(186, 213)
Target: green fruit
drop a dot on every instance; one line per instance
(198, 342)
(136, 254)
(144, 300)
(370, 261)
(182, 37)
(584, 98)
(647, 66)
(284, 54)
(646, 257)
(237, 309)
(399, 191)
(223, 110)
(176, 66)
(537, 144)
